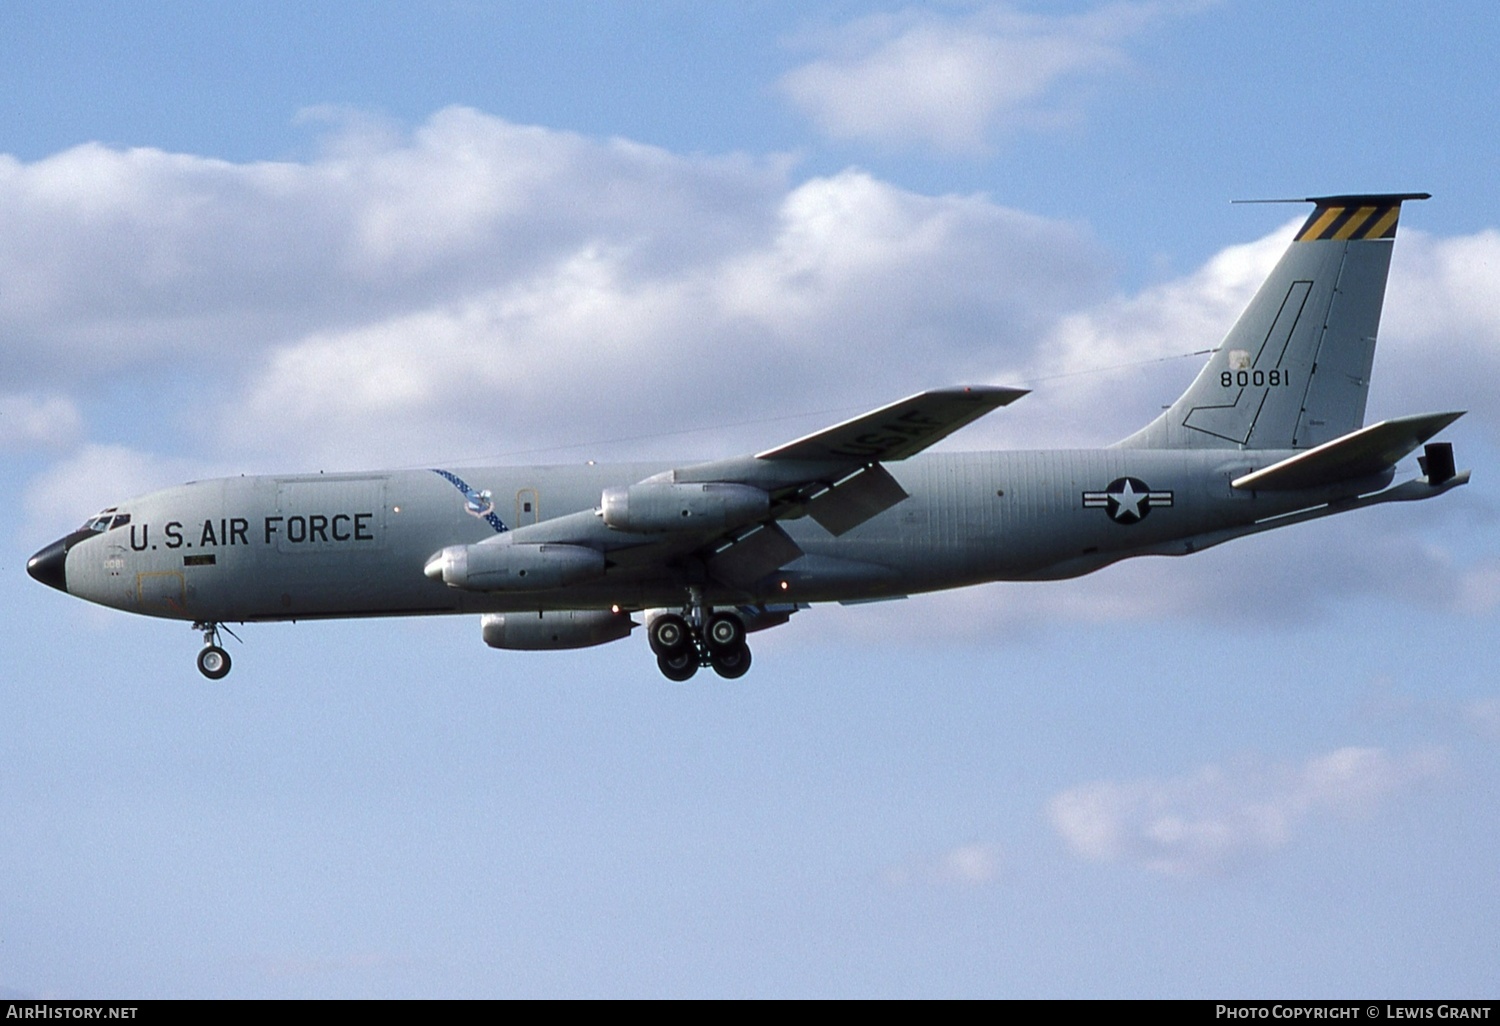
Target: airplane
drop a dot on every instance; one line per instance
(1270, 433)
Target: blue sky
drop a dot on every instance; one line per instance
(269, 237)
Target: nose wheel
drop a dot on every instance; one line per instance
(213, 662)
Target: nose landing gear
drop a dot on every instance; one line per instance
(213, 662)
(685, 642)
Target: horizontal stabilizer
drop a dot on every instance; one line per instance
(1358, 454)
(899, 430)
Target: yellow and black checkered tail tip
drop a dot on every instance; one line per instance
(1351, 218)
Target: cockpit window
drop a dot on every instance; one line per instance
(120, 520)
(101, 521)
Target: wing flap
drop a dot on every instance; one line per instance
(899, 430)
(849, 503)
(754, 555)
(1357, 454)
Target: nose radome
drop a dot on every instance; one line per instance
(50, 565)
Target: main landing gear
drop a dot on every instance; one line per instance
(213, 661)
(683, 643)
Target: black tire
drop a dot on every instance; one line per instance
(678, 666)
(732, 664)
(726, 632)
(214, 662)
(669, 635)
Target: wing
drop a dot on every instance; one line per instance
(899, 430)
(724, 517)
(834, 475)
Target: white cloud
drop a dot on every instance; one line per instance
(114, 258)
(1216, 818)
(29, 420)
(480, 287)
(956, 79)
(835, 296)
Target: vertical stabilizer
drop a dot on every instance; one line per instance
(1294, 371)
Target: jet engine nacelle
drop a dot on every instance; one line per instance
(500, 565)
(555, 629)
(654, 506)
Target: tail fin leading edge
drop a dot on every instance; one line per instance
(1294, 371)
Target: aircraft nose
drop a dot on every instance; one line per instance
(50, 565)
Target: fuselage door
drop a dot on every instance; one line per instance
(161, 593)
(528, 509)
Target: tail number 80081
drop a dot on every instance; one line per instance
(1255, 378)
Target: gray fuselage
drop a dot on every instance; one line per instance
(351, 545)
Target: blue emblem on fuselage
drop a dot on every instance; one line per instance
(476, 504)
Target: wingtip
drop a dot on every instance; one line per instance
(1004, 394)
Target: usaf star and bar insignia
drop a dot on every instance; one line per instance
(1127, 500)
